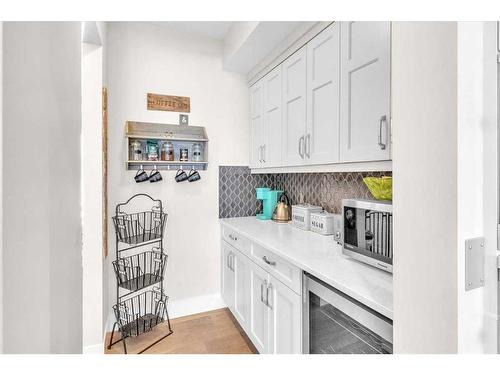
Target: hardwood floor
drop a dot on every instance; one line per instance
(212, 332)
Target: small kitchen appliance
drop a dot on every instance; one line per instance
(269, 198)
(322, 223)
(301, 215)
(368, 232)
(283, 212)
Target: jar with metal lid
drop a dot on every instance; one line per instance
(136, 149)
(197, 152)
(167, 151)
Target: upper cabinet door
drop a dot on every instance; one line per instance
(294, 71)
(256, 124)
(365, 91)
(323, 97)
(271, 135)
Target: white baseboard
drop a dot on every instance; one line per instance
(194, 305)
(183, 307)
(93, 349)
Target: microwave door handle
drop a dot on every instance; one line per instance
(379, 232)
(385, 236)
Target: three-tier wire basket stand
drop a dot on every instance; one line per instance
(141, 303)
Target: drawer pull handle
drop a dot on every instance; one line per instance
(270, 262)
(234, 238)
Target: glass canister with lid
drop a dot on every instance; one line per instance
(197, 152)
(167, 151)
(136, 146)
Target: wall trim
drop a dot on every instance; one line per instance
(373, 166)
(93, 349)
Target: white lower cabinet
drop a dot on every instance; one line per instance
(285, 307)
(242, 299)
(228, 280)
(259, 312)
(269, 311)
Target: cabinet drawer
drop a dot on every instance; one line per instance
(235, 239)
(287, 273)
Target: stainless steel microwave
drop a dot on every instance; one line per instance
(367, 230)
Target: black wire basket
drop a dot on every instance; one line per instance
(139, 227)
(141, 313)
(140, 270)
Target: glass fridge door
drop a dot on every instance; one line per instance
(333, 332)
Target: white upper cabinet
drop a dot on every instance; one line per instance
(256, 124)
(294, 71)
(271, 135)
(329, 102)
(323, 97)
(365, 91)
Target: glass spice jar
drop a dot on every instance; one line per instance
(167, 151)
(136, 150)
(197, 152)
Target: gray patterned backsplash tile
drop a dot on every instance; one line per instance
(237, 189)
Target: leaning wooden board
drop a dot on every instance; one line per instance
(158, 102)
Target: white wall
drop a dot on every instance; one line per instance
(424, 102)
(489, 331)
(42, 276)
(470, 176)
(477, 185)
(93, 319)
(1, 188)
(144, 58)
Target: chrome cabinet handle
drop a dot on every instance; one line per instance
(382, 145)
(234, 238)
(270, 286)
(264, 153)
(260, 154)
(301, 141)
(232, 262)
(270, 262)
(228, 261)
(262, 292)
(307, 145)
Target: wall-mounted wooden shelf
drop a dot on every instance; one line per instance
(166, 165)
(182, 137)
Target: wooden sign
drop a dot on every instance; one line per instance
(105, 171)
(157, 102)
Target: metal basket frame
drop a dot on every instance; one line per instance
(141, 313)
(141, 270)
(137, 313)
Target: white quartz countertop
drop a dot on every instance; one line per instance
(322, 257)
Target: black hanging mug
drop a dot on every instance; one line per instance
(155, 175)
(193, 176)
(141, 175)
(181, 176)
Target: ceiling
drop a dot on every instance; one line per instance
(210, 29)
